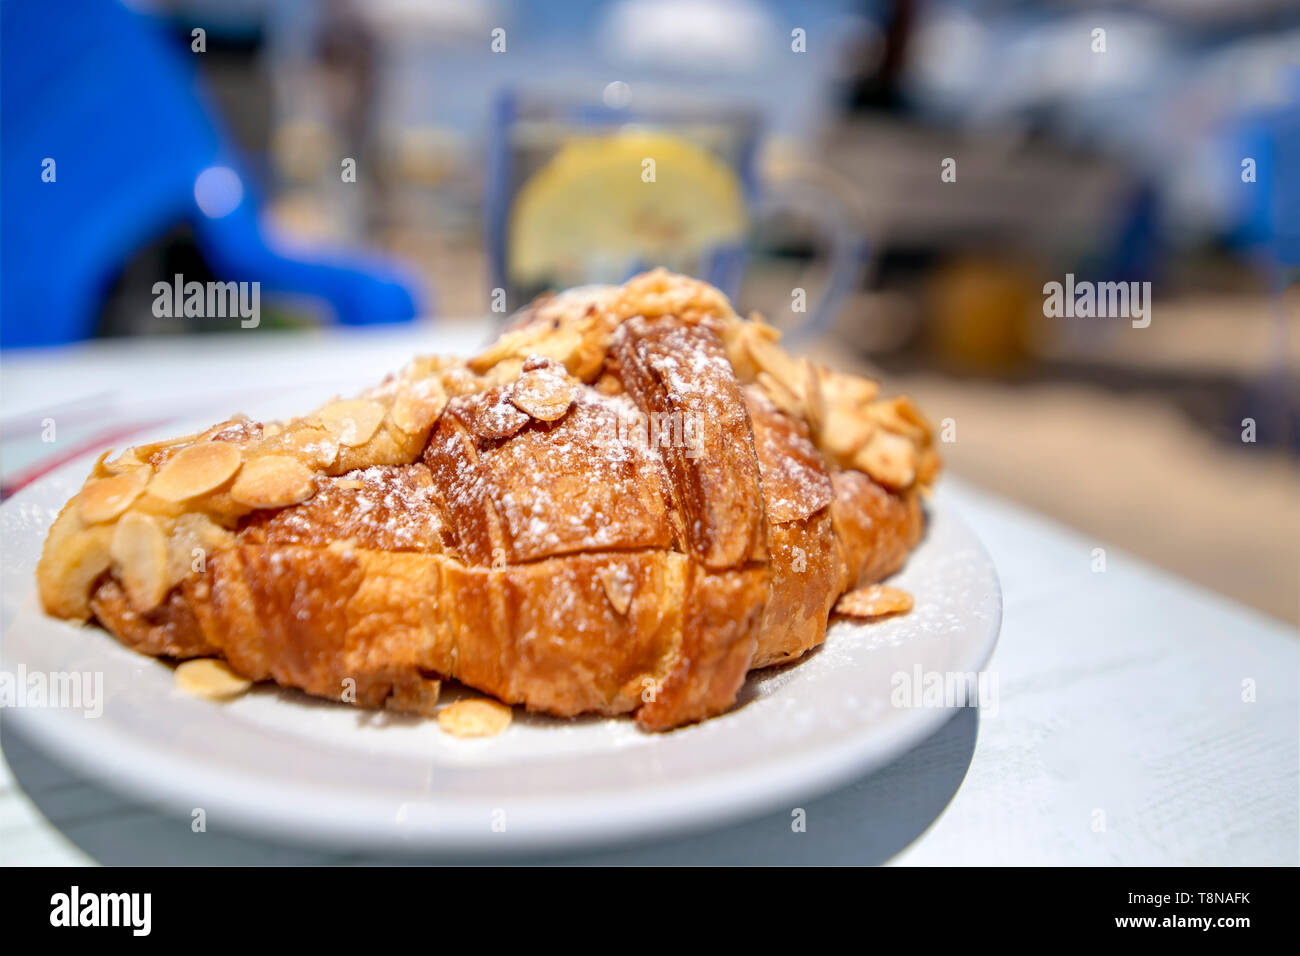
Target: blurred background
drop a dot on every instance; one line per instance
(893, 183)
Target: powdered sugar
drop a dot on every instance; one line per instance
(382, 507)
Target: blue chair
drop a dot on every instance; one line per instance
(101, 91)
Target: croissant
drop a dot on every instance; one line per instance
(627, 502)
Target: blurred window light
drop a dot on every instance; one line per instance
(951, 50)
(691, 35)
(446, 20)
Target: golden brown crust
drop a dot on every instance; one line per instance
(629, 501)
(679, 376)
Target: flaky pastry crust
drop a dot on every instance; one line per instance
(627, 502)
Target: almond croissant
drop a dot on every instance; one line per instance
(627, 502)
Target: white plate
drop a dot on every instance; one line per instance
(283, 764)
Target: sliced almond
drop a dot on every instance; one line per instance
(273, 481)
(515, 343)
(581, 350)
(784, 399)
(139, 550)
(888, 458)
(418, 406)
(239, 430)
(210, 679)
(495, 418)
(579, 344)
(147, 452)
(845, 431)
(757, 326)
(544, 393)
(105, 499)
(735, 334)
(900, 416)
(815, 407)
(585, 358)
(474, 718)
(619, 586)
(126, 461)
(842, 388)
(772, 359)
(196, 470)
(352, 422)
(876, 600)
(501, 374)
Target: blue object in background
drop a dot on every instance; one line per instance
(1269, 207)
(99, 90)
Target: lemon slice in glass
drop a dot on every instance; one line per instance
(631, 197)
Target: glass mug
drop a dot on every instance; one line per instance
(581, 192)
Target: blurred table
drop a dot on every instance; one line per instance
(1123, 732)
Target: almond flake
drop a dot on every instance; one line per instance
(273, 481)
(735, 334)
(495, 418)
(887, 458)
(352, 422)
(877, 600)
(841, 388)
(619, 586)
(815, 406)
(758, 326)
(772, 359)
(126, 461)
(474, 718)
(139, 550)
(544, 393)
(210, 679)
(418, 406)
(515, 343)
(784, 399)
(105, 499)
(579, 345)
(195, 470)
(845, 431)
(899, 416)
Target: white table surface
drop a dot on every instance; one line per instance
(1120, 734)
